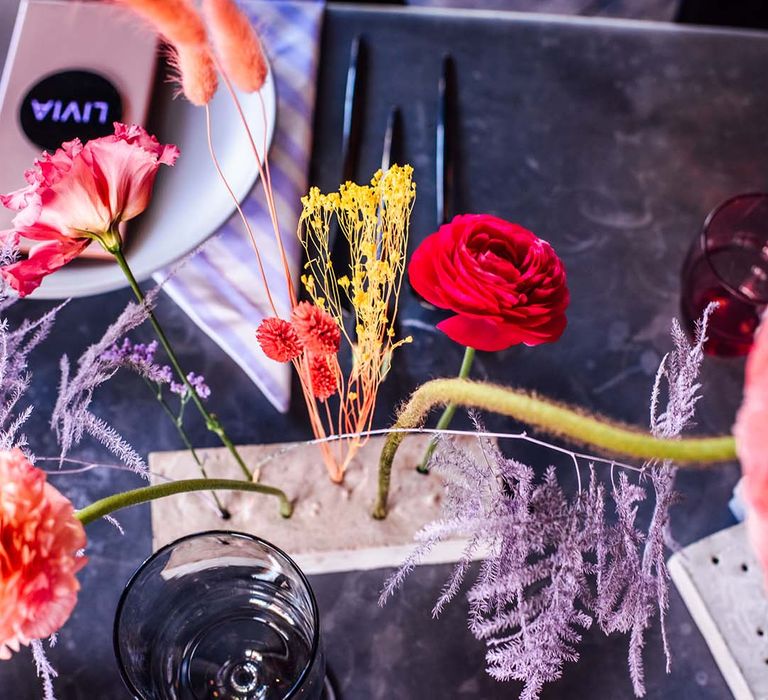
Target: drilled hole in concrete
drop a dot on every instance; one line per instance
(744, 568)
(760, 632)
(715, 561)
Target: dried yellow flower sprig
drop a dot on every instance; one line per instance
(374, 219)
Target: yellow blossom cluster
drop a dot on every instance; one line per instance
(374, 220)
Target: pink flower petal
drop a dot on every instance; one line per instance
(26, 276)
(39, 541)
(80, 190)
(751, 433)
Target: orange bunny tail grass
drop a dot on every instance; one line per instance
(195, 72)
(236, 43)
(176, 20)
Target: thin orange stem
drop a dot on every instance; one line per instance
(240, 211)
(302, 370)
(265, 180)
(329, 418)
(264, 139)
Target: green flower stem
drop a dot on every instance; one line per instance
(108, 505)
(211, 421)
(179, 423)
(448, 413)
(550, 417)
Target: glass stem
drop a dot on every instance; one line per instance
(211, 421)
(448, 412)
(110, 504)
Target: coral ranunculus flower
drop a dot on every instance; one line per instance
(506, 285)
(316, 328)
(278, 339)
(39, 539)
(323, 376)
(78, 194)
(751, 432)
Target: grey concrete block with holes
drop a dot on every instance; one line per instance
(721, 583)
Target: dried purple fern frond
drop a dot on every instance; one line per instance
(537, 543)
(619, 560)
(555, 563)
(45, 671)
(15, 348)
(112, 520)
(71, 418)
(531, 611)
(649, 590)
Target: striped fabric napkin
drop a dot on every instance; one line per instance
(218, 289)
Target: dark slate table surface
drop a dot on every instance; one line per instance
(613, 141)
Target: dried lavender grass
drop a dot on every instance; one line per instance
(557, 564)
(45, 671)
(648, 593)
(15, 348)
(72, 418)
(9, 253)
(112, 520)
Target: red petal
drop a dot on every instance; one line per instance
(25, 276)
(492, 335)
(422, 273)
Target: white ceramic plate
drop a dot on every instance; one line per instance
(190, 202)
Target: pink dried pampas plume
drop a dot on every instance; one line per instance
(176, 20)
(236, 43)
(179, 23)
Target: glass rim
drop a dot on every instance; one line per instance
(703, 238)
(207, 533)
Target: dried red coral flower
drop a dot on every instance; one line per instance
(278, 339)
(316, 328)
(322, 376)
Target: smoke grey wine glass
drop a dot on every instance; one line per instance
(220, 615)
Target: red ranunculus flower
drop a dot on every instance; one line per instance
(506, 285)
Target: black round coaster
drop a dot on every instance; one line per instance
(67, 105)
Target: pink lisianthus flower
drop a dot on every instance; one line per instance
(751, 432)
(79, 194)
(39, 540)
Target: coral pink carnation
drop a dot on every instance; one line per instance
(39, 539)
(751, 432)
(322, 376)
(278, 340)
(78, 192)
(316, 328)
